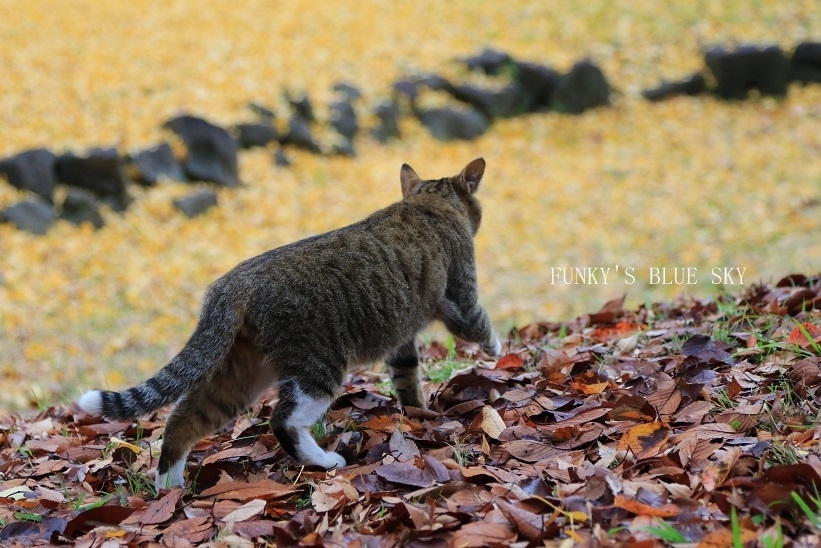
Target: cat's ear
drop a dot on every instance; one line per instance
(409, 180)
(468, 181)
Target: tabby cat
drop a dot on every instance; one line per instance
(301, 314)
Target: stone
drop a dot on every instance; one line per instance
(693, 85)
(805, 64)
(492, 103)
(583, 88)
(281, 159)
(344, 147)
(252, 135)
(535, 84)
(387, 112)
(302, 106)
(343, 119)
(211, 150)
(453, 124)
(157, 163)
(81, 206)
(196, 203)
(350, 92)
(262, 111)
(99, 171)
(300, 135)
(34, 215)
(489, 61)
(748, 67)
(32, 170)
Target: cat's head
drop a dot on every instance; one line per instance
(461, 187)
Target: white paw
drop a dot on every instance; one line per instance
(496, 349)
(333, 460)
(172, 478)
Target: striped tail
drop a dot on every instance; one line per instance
(208, 346)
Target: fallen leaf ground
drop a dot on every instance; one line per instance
(692, 423)
(691, 182)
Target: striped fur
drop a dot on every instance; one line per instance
(301, 314)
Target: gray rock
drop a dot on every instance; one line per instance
(81, 206)
(99, 171)
(344, 120)
(805, 65)
(350, 92)
(692, 85)
(34, 215)
(196, 203)
(453, 124)
(32, 170)
(490, 61)
(387, 112)
(300, 135)
(156, 163)
(748, 67)
(212, 151)
(281, 159)
(252, 135)
(583, 88)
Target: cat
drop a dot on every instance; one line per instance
(300, 315)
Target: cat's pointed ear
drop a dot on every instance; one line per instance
(468, 181)
(409, 180)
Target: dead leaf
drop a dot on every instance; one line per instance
(645, 440)
(480, 534)
(511, 361)
(530, 525)
(641, 509)
(163, 509)
(238, 490)
(805, 335)
(492, 423)
(531, 451)
(247, 511)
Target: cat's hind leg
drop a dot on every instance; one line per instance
(209, 405)
(197, 415)
(302, 403)
(403, 368)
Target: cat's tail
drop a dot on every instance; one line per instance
(216, 330)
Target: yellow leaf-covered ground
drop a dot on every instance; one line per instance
(691, 182)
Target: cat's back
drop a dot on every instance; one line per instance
(369, 284)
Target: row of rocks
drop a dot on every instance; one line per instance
(766, 69)
(102, 175)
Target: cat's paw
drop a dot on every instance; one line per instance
(494, 348)
(172, 477)
(333, 460)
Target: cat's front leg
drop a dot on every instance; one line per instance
(472, 324)
(403, 367)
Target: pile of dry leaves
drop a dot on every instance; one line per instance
(693, 422)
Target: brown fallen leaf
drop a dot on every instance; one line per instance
(242, 491)
(406, 473)
(479, 534)
(492, 423)
(511, 361)
(193, 530)
(250, 509)
(641, 509)
(531, 451)
(88, 519)
(805, 335)
(645, 440)
(725, 538)
(530, 526)
(163, 509)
